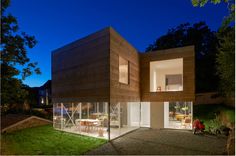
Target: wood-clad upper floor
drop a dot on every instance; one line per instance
(80, 70)
(120, 92)
(88, 70)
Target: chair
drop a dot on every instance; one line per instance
(186, 122)
(83, 123)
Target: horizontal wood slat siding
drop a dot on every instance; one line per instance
(188, 93)
(80, 70)
(123, 92)
(87, 70)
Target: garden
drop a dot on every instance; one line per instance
(45, 140)
(218, 119)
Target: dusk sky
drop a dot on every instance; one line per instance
(55, 23)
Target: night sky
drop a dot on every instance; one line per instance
(55, 23)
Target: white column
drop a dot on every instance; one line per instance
(88, 110)
(166, 114)
(80, 109)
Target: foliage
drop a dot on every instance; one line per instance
(226, 49)
(230, 5)
(210, 115)
(14, 46)
(42, 113)
(201, 3)
(45, 140)
(226, 60)
(205, 42)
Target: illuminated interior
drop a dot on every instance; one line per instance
(178, 115)
(166, 75)
(91, 118)
(123, 70)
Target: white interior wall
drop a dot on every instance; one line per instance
(134, 113)
(161, 73)
(145, 114)
(158, 70)
(166, 114)
(152, 78)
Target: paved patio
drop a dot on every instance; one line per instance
(161, 142)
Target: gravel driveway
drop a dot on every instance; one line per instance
(161, 142)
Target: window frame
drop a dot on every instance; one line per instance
(128, 75)
(164, 91)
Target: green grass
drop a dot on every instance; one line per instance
(45, 140)
(207, 113)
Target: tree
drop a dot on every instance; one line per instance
(230, 4)
(14, 45)
(205, 42)
(201, 3)
(225, 60)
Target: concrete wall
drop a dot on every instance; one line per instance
(157, 115)
(32, 121)
(208, 98)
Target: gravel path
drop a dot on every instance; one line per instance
(161, 142)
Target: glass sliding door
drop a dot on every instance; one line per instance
(57, 116)
(133, 114)
(178, 115)
(124, 117)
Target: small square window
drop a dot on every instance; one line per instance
(123, 70)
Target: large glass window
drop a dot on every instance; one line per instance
(166, 75)
(124, 117)
(87, 118)
(123, 70)
(178, 115)
(91, 118)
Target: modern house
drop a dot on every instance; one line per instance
(103, 87)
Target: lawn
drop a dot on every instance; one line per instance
(208, 113)
(45, 140)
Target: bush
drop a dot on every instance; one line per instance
(42, 113)
(217, 118)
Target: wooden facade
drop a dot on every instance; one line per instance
(123, 92)
(188, 93)
(87, 70)
(80, 70)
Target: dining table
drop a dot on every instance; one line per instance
(88, 123)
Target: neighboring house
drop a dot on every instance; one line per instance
(43, 94)
(103, 87)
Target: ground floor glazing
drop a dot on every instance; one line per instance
(111, 120)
